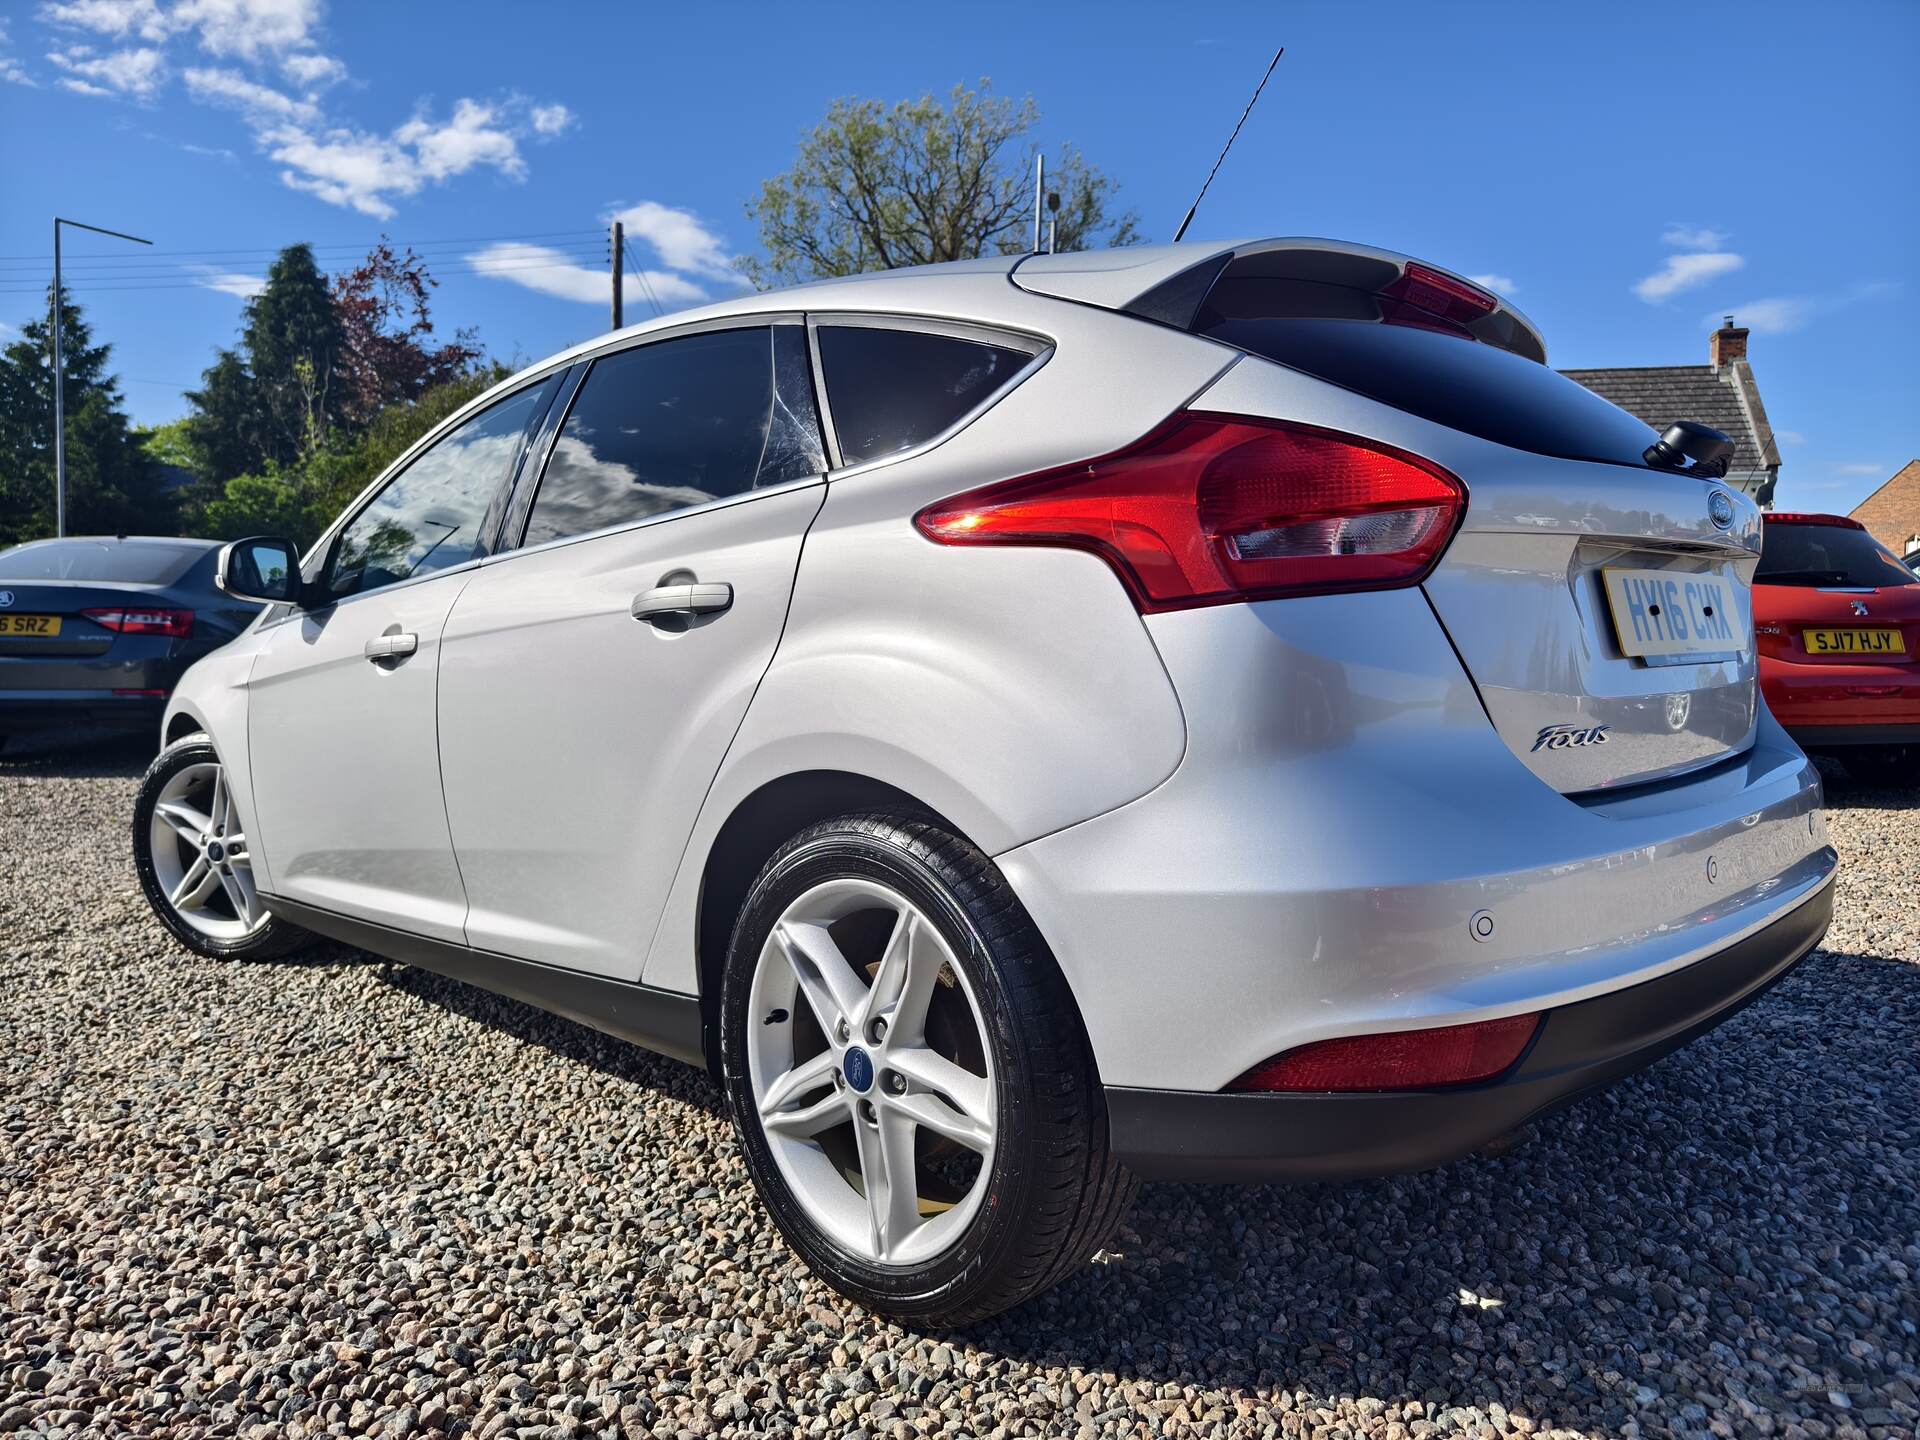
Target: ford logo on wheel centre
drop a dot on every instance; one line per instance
(1720, 508)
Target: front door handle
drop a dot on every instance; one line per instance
(391, 647)
(664, 601)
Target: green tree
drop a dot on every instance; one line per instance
(112, 487)
(274, 398)
(876, 187)
(301, 498)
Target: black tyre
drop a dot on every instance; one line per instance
(190, 850)
(1890, 766)
(890, 1010)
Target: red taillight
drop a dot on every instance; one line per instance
(1434, 296)
(144, 621)
(1404, 1060)
(1795, 517)
(1210, 509)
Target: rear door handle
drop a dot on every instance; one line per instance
(666, 600)
(391, 647)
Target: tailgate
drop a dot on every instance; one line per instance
(1604, 615)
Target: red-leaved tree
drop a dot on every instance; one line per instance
(386, 352)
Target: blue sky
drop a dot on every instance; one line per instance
(1627, 173)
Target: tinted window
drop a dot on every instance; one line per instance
(139, 561)
(429, 515)
(893, 389)
(1448, 379)
(678, 423)
(1840, 555)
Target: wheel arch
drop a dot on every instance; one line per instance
(759, 824)
(181, 724)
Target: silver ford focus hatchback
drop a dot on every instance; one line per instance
(1207, 712)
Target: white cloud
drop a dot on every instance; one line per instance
(1861, 467)
(549, 120)
(1789, 437)
(551, 273)
(679, 239)
(11, 71)
(1768, 317)
(261, 102)
(117, 18)
(1500, 283)
(1781, 313)
(1694, 237)
(1684, 272)
(271, 43)
(249, 29)
(211, 152)
(229, 282)
(6, 329)
(136, 72)
(312, 70)
(366, 172)
(474, 136)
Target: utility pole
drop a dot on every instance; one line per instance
(619, 252)
(1039, 196)
(60, 372)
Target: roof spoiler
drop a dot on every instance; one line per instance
(1172, 285)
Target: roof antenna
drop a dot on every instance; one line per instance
(1229, 145)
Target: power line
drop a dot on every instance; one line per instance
(134, 270)
(646, 286)
(363, 246)
(117, 284)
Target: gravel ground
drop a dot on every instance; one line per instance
(336, 1196)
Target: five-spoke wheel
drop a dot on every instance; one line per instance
(870, 1071)
(912, 1085)
(200, 854)
(195, 863)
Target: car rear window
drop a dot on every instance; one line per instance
(891, 390)
(140, 563)
(1450, 380)
(1831, 555)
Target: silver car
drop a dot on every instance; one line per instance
(1215, 712)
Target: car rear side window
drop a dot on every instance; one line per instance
(429, 516)
(1448, 379)
(677, 423)
(136, 562)
(891, 390)
(1831, 555)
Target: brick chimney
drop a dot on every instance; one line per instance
(1728, 344)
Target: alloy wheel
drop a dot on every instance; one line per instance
(200, 854)
(870, 1072)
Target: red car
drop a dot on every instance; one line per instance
(1838, 622)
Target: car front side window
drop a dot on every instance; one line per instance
(431, 515)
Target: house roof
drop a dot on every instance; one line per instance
(1726, 399)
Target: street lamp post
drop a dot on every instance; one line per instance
(60, 372)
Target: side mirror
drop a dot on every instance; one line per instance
(264, 568)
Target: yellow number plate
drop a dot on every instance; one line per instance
(29, 624)
(1854, 642)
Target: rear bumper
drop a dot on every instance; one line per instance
(1179, 1135)
(1826, 737)
(22, 711)
(1835, 700)
(1349, 848)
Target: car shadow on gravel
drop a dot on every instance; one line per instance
(567, 1039)
(1753, 1194)
(79, 754)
